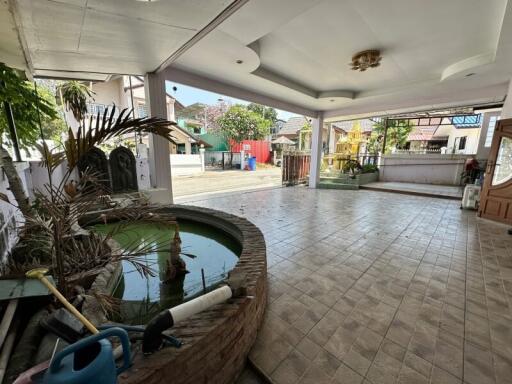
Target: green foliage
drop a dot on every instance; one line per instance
(268, 113)
(27, 108)
(74, 97)
(352, 167)
(398, 131)
(374, 143)
(239, 123)
(369, 168)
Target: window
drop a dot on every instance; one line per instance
(503, 168)
(94, 108)
(142, 110)
(462, 143)
(490, 130)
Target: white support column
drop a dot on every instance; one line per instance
(188, 147)
(202, 154)
(159, 159)
(316, 150)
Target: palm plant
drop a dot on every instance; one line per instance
(74, 95)
(53, 230)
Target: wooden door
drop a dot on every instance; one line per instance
(496, 199)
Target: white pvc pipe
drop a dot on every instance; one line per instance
(201, 303)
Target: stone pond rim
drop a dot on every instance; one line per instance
(216, 342)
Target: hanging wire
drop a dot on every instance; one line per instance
(133, 114)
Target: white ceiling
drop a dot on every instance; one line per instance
(299, 51)
(293, 51)
(108, 37)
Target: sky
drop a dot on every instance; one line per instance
(189, 95)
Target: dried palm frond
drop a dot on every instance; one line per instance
(107, 126)
(102, 128)
(110, 305)
(50, 159)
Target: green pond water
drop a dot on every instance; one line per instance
(214, 251)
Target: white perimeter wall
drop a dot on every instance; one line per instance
(10, 216)
(186, 165)
(423, 169)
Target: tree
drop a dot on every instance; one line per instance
(74, 95)
(29, 110)
(212, 114)
(239, 123)
(398, 131)
(268, 113)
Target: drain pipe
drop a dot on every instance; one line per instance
(166, 319)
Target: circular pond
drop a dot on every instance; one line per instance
(203, 249)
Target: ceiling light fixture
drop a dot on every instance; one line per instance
(361, 61)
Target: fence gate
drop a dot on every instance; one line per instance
(295, 168)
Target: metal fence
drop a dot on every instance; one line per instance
(223, 159)
(295, 168)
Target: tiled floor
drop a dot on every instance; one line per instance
(373, 287)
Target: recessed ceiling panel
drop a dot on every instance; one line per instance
(311, 47)
(112, 36)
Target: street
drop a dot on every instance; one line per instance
(225, 181)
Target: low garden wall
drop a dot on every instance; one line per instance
(422, 168)
(216, 342)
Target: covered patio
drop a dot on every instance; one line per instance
(364, 286)
(378, 287)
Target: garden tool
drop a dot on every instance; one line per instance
(39, 273)
(64, 325)
(89, 360)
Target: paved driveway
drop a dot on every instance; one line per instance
(225, 181)
(378, 288)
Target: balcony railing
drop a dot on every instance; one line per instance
(94, 108)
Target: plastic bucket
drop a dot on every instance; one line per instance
(252, 163)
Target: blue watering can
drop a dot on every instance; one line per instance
(89, 360)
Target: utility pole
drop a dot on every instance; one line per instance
(385, 136)
(12, 130)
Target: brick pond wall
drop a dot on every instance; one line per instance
(215, 342)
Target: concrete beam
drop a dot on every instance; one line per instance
(380, 106)
(202, 82)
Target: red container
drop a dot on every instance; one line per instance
(257, 148)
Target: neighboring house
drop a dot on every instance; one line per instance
(292, 130)
(274, 129)
(454, 135)
(193, 118)
(118, 92)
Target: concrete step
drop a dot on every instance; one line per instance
(324, 185)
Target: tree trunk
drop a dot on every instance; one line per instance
(15, 184)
